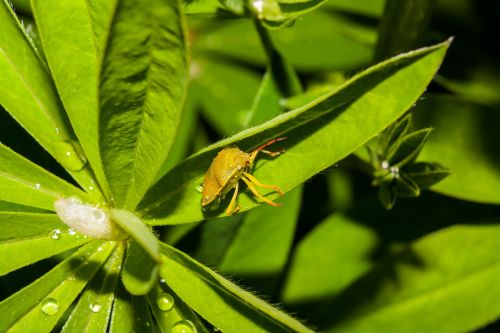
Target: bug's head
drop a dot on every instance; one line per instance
(207, 199)
(208, 195)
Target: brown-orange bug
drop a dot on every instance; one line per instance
(228, 167)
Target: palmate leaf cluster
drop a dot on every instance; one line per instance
(112, 93)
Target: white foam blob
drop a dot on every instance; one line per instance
(89, 220)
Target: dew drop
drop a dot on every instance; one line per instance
(50, 306)
(199, 188)
(71, 232)
(394, 171)
(183, 326)
(165, 302)
(58, 130)
(162, 281)
(99, 249)
(37, 186)
(55, 234)
(72, 157)
(95, 307)
(91, 188)
(384, 165)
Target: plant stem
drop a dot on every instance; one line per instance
(288, 83)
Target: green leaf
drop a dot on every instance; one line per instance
(74, 35)
(224, 91)
(424, 281)
(332, 256)
(24, 182)
(23, 232)
(13, 207)
(320, 133)
(426, 174)
(294, 8)
(140, 272)
(262, 243)
(138, 231)
(123, 316)
(266, 104)
(143, 85)
(387, 195)
(32, 100)
(39, 306)
(371, 8)
(403, 26)
(211, 252)
(130, 314)
(397, 132)
(406, 187)
(407, 150)
(465, 141)
(219, 301)
(93, 311)
(169, 310)
(236, 39)
(183, 139)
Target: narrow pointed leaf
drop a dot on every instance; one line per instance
(408, 148)
(39, 306)
(168, 309)
(93, 311)
(219, 301)
(140, 271)
(23, 232)
(319, 134)
(31, 97)
(123, 316)
(131, 314)
(426, 174)
(72, 27)
(23, 182)
(406, 187)
(138, 231)
(397, 132)
(6, 206)
(387, 196)
(143, 84)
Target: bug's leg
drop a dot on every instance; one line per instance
(258, 183)
(229, 209)
(258, 195)
(254, 153)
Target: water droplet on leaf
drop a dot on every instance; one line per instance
(50, 306)
(165, 302)
(95, 307)
(55, 234)
(183, 326)
(199, 188)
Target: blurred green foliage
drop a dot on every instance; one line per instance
(333, 255)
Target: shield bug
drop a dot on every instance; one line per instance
(228, 167)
